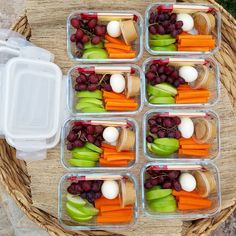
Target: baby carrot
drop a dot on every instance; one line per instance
(186, 141)
(104, 162)
(197, 42)
(118, 214)
(113, 95)
(186, 207)
(191, 36)
(119, 108)
(194, 49)
(108, 146)
(119, 156)
(193, 94)
(120, 104)
(191, 100)
(184, 87)
(193, 194)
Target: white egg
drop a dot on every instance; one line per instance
(110, 189)
(188, 73)
(110, 134)
(117, 82)
(113, 29)
(187, 182)
(187, 20)
(186, 127)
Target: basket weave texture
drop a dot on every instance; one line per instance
(14, 175)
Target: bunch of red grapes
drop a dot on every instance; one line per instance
(163, 127)
(157, 74)
(92, 82)
(165, 23)
(87, 189)
(86, 30)
(167, 179)
(81, 133)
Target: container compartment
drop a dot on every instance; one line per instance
(124, 42)
(181, 82)
(83, 146)
(182, 28)
(180, 190)
(181, 135)
(104, 98)
(76, 213)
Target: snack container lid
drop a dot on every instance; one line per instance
(30, 97)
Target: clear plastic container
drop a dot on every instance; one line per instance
(215, 196)
(200, 63)
(111, 69)
(104, 17)
(31, 108)
(67, 223)
(214, 150)
(185, 8)
(66, 154)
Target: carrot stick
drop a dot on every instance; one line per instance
(196, 37)
(115, 50)
(193, 94)
(184, 87)
(196, 146)
(193, 194)
(198, 153)
(118, 46)
(102, 201)
(186, 141)
(194, 49)
(113, 151)
(114, 40)
(185, 207)
(116, 157)
(195, 201)
(113, 108)
(105, 208)
(121, 100)
(123, 219)
(197, 42)
(118, 213)
(104, 162)
(120, 104)
(113, 95)
(191, 100)
(108, 146)
(122, 55)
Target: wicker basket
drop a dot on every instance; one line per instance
(14, 175)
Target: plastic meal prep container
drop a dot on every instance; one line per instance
(184, 8)
(104, 17)
(215, 196)
(31, 98)
(67, 223)
(175, 158)
(197, 62)
(102, 69)
(66, 154)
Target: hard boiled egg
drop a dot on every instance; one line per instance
(113, 29)
(187, 20)
(110, 134)
(186, 127)
(187, 182)
(188, 73)
(117, 82)
(110, 189)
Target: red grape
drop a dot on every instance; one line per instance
(174, 33)
(98, 195)
(149, 139)
(100, 138)
(163, 77)
(99, 30)
(90, 138)
(72, 136)
(161, 17)
(170, 80)
(92, 87)
(152, 18)
(150, 75)
(173, 17)
(161, 134)
(103, 30)
(86, 185)
(153, 68)
(107, 87)
(96, 40)
(73, 38)
(85, 39)
(148, 184)
(90, 129)
(161, 69)
(98, 143)
(159, 120)
(175, 74)
(181, 80)
(93, 79)
(78, 143)
(72, 189)
(160, 29)
(78, 54)
(177, 185)
(154, 130)
(79, 34)
(176, 83)
(166, 185)
(154, 181)
(170, 134)
(177, 134)
(95, 187)
(179, 24)
(99, 129)
(75, 23)
(80, 87)
(69, 146)
(92, 23)
(152, 29)
(167, 122)
(79, 45)
(152, 122)
(176, 120)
